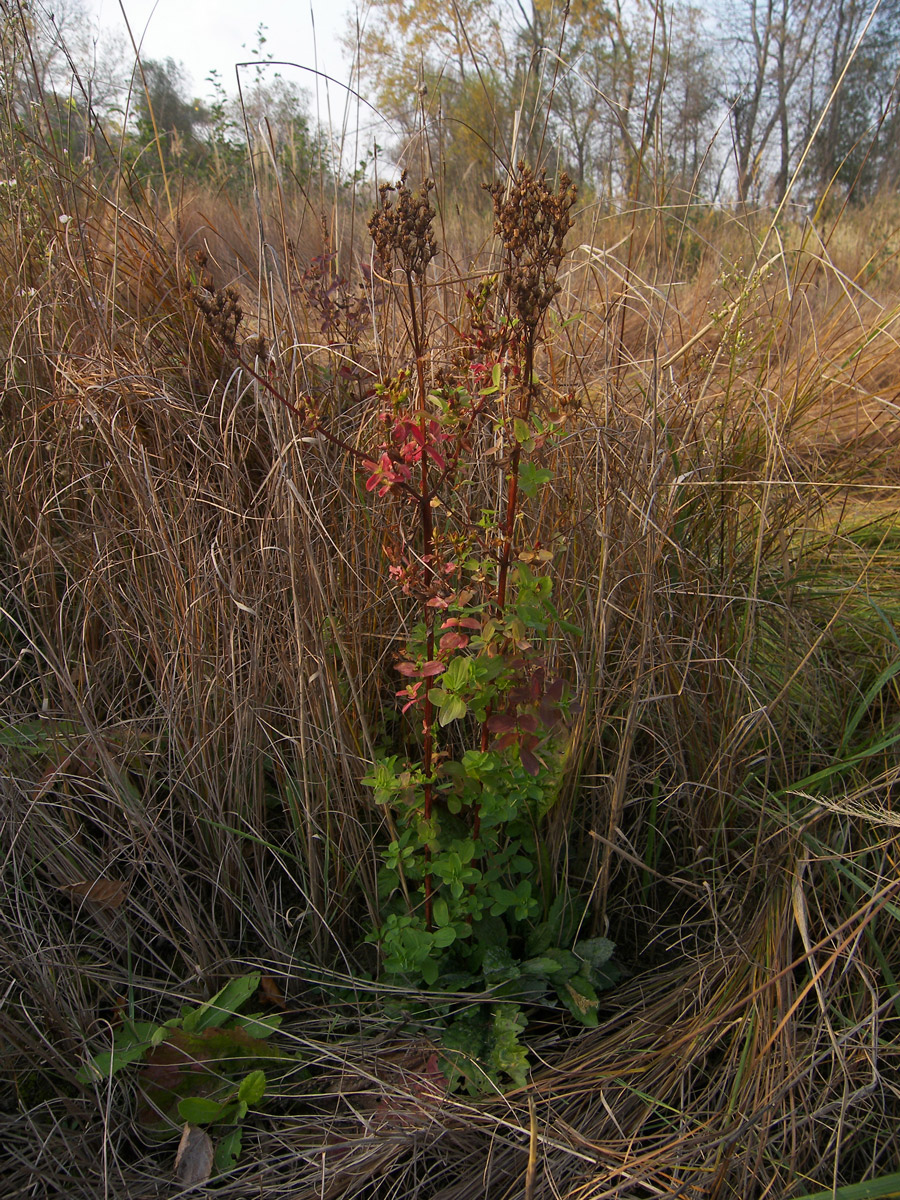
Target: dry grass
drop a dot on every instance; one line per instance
(195, 646)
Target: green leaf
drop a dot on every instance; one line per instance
(508, 1055)
(198, 1110)
(566, 962)
(521, 431)
(110, 1062)
(259, 1026)
(579, 997)
(884, 1188)
(130, 1043)
(445, 936)
(595, 951)
(458, 673)
(252, 1088)
(453, 709)
(223, 1005)
(542, 966)
(228, 1151)
(441, 913)
(498, 964)
(532, 478)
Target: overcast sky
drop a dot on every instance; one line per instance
(206, 34)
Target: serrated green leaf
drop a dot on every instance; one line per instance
(508, 1055)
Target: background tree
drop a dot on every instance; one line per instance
(164, 108)
(857, 143)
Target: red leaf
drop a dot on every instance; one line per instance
(408, 669)
(529, 762)
(454, 641)
(501, 723)
(432, 668)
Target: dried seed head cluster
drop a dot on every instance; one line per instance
(258, 347)
(222, 312)
(532, 221)
(403, 229)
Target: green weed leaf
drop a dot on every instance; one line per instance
(252, 1088)
(228, 1151)
(198, 1110)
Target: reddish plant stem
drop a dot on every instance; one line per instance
(427, 523)
(512, 500)
(512, 495)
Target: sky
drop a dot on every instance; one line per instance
(206, 34)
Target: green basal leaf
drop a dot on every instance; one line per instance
(198, 1110)
(566, 962)
(258, 1025)
(223, 1005)
(498, 964)
(578, 995)
(228, 1151)
(252, 1088)
(110, 1062)
(595, 951)
(542, 966)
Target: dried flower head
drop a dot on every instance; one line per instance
(403, 229)
(258, 347)
(222, 311)
(532, 222)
